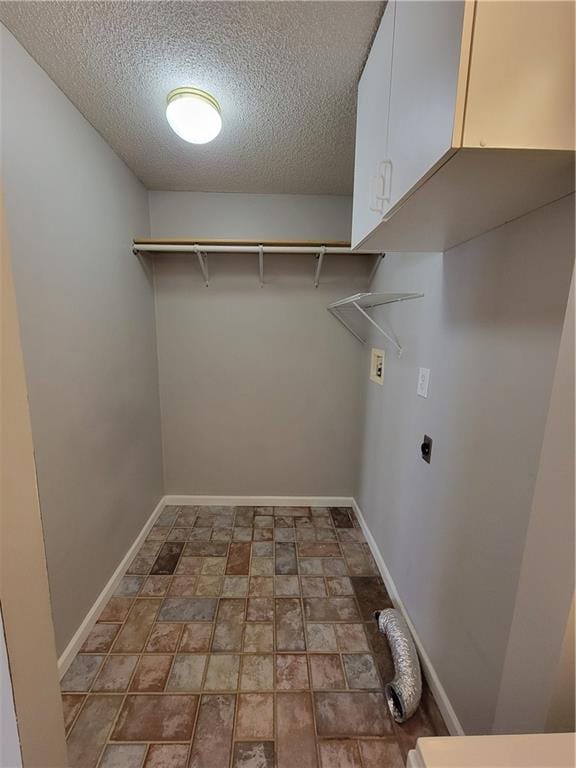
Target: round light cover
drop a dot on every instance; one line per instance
(194, 115)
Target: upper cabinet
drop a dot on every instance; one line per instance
(465, 120)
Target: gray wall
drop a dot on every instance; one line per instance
(260, 387)
(87, 320)
(452, 533)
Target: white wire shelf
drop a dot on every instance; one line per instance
(361, 302)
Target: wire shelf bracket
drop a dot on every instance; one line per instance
(360, 303)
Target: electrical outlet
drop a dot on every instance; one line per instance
(423, 379)
(377, 366)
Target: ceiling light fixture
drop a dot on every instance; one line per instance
(194, 115)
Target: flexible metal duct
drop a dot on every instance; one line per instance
(404, 692)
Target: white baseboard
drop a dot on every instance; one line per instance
(261, 501)
(85, 628)
(444, 705)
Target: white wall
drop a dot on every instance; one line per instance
(260, 387)
(87, 322)
(452, 533)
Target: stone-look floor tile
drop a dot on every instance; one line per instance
(213, 566)
(359, 563)
(258, 638)
(380, 650)
(341, 754)
(196, 638)
(167, 756)
(409, 732)
(155, 586)
(261, 586)
(206, 549)
(212, 743)
(340, 517)
(169, 515)
(263, 521)
(238, 559)
(286, 586)
(361, 671)
(291, 672)
(305, 534)
(326, 671)
(156, 717)
(115, 674)
(187, 672)
(330, 609)
(91, 729)
(289, 625)
(312, 549)
(321, 637)
(188, 609)
(260, 609)
(71, 705)
(100, 638)
(255, 717)
(311, 566)
(164, 638)
(221, 534)
(235, 586)
(179, 534)
(371, 595)
(183, 586)
(285, 534)
(432, 711)
(325, 535)
(262, 549)
(313, 586)
(190, 566)
(167, 559)
(303, 522)
(200, 534)
(222, 674)
(286, 563)
(158, 533)
(377, 753)
(123, 756)
(263, 534)
(133, 635)
(295, 739)
(242, 534)
(339, 585)
(283, 522)
(351, 714)
(129, 586)
(253, 754)
(187, 517)
(141, 564)
(244, 516)
(262, 566)
(257, 672)
(151, 673)
(351, 637)
(292, 511)
(81, 673)
(210, 586)
(334, 566)
(229, 625)
(116, 609)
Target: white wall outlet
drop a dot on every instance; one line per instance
(423, 379)
(377, 366)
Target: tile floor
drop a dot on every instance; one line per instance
(241, 637)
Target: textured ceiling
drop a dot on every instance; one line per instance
(285, 74)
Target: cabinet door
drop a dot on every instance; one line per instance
(371, 130)
(425, 70)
